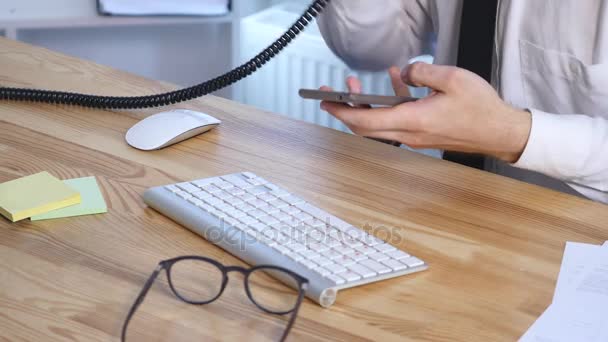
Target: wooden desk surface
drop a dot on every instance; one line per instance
(494, 245)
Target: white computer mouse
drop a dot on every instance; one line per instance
(167, 128)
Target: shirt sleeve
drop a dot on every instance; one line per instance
(571, 148)
(374, 35)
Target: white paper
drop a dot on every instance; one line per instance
(579, 311)
(564, 323)
(577, 257)
(165, 7)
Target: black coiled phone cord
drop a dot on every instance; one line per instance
(135, 102)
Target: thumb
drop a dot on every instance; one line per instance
(438, 77)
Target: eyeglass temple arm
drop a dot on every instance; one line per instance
(139, 300)
(294, 315)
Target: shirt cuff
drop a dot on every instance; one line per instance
(556, 145)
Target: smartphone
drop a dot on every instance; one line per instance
(355, 99)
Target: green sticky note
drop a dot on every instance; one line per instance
(92, 200)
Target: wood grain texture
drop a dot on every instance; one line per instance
(494, 245)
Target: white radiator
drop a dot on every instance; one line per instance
(306, 63)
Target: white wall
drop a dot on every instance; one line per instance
(177, 53)
(22, 9)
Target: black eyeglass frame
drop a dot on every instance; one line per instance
(302, 284)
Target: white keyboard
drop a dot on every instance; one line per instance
(262, 223)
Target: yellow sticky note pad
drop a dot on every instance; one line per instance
(36, 194)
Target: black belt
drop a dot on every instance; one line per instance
(475, 52)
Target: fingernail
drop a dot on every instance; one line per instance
(323, 106)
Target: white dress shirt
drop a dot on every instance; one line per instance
(551, 57)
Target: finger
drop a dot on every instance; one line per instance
(439, 77)
(400, 88)
(354, 85)
(326, 88)
(374, 119)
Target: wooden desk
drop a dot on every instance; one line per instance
(494, 245)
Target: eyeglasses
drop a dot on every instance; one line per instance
(199, 281)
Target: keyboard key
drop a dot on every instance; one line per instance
(335, 268)
(279, 215)
(188, 187)
(235, 213)
(183, 194)
(344, 250)
(366, 250)
(322, 261)
(296, 246)
(277, 203)
(236, 180)
(412, 262)
(257, 214)
(223, 195)
(257, 181)
(212, 201)
(268, 209)
(318, 247)
(338, 223)
(223, 185)
(246, 197)
(344, 260)
(302, 216)
(397, 255)
(234, 201)
(203, 182)
(236, 191)
(395, 265)
(223, 206)
(270, 220)
(314, 211)
(350, 276)
(249, 175)
(310, 254)
(331, 242)
(375, 266)
(379, 256)
(205, 206)
(337, 280)
(172, 188)
(361, 270)
(258, 190)
(194, 200)
(372, 241)
(246, 207)
(292, 200)
(358, 256)
(267, 197)
(248, 220)
(259, 227)
(202, 194)
(291, 210)
(309, 264)
(258, 203)
(385, 247)
(332, 254)
(212, 189)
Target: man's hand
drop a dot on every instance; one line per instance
(463, 113)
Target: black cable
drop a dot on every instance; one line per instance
(134, 102)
